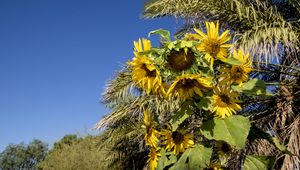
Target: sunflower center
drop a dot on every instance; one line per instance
(149, 73)
(213, 47)
(177, 137)
(225, 98)
(181, 60)
(225, 147)
(237, 72)
(187, 83)
(149, 130)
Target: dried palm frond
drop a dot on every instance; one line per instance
(122, 145)
(293, 137)
(136, 107)
(119, 90)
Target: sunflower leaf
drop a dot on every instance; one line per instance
(253, 162)
(194, 159)
(166, 159)
(165, 35)
(171, 45)
(205, 103)
(253, 86)
(181, 115)
(187, 44)
(232, 61)
(233, 130)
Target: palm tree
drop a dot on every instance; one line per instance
(121, 141)
(269, 29)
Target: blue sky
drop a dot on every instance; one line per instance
(55, 57)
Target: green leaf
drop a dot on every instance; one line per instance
(171, 45)
(158, 60)
(181, 115)
(205, 103)
(256, 133)
(253, 162)
(166, 159)
(279, 146)
(165, 35)
(233, 130)
(232, 61)
(193, 159)
(253, 86)
(186, 44)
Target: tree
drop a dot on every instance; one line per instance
(67, 140)
(22, 157)
(73, 153)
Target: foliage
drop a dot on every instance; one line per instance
(233, 130)
(67, 140)
(121, 145)
(258, 162)
(194, 158)
(21, 156)
(73, 153)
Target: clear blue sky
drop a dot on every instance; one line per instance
(55, 57)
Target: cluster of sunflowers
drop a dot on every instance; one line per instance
(198, 67)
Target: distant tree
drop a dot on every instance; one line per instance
(67, 140)
(71, 153)
(23, 157)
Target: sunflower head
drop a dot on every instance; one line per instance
(188, 85)
(141, 45)
(145, 73)
(213, 45)
(243, 58)
(223, 148)
(237, 74)
(153, 158)
(151, 133)
(177, 141)
(214, 166)
(180, 60)
(224, 102)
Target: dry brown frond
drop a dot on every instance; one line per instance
(260, 147)
(293, 133)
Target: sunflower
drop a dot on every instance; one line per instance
(141, 46)
(237, 74)
(177, 141)
(187, 85)
(153, 158)
(151, 133)
(189, 37)
(180, 60)
(224, 102)
(223, 149)
(144, 72)
(213, 45)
